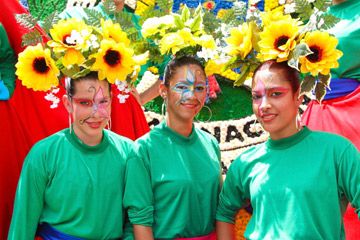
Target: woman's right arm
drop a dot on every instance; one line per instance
(143, 232)
(29, 199)
(224, 231)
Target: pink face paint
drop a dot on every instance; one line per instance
(101, 104)
(259, 95)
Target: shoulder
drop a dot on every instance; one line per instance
(50, 141)
(119, 141)
(249, 156)
(329, 139)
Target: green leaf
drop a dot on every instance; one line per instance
(93, 17)
(245, 70)
(320, 91)
(301, 50)
(196, 24)
(325, 79)
(109, 7)
(31, 38)
(303, 9)
(185, 14)
(322, 5)
(329, 21)
(308, 84)
(178, 23)
(50, 20)
(26, 20)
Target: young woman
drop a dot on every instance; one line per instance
(72, 183)
(172, 189)
(299, 181)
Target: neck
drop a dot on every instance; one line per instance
(285, 133)
(337, 1)
(86, 139)
(182, 127)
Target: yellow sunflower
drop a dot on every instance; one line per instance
(71, 57)
(274, 15)
(277, 40)
(69, 33)
(173, 42)
(114, 61)
(36, 69)
(114, 32)
(324, 56)
(239, 42)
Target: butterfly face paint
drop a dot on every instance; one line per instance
(99, 104)
(262, 94)
(188, 87)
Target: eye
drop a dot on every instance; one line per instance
(256, 97)
(200, 88)
(85, 103)
(105, 101)
(276, 94)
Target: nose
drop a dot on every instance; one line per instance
(265, 104)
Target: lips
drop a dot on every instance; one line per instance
(94, 125)
(190, 105)
(268, 117)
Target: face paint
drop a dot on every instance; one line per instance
(99, 104)
(261, 94)
(187, 87)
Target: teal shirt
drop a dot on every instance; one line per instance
(7, 66)
(77, 189)
(174, 184)
(348, 33)
(297, 186)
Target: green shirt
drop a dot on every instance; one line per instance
(348, 33)
(77, 189)
(174, 184)
(7, 62)
(297, 187)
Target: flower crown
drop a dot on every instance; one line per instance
(282, 37)
(180, 34)
(76, 49)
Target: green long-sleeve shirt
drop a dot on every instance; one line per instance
(174, 184)
(347, 32)
(7, 62)
(77, 189)
(297, 186)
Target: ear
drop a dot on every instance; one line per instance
(163, 90)
(67, 103)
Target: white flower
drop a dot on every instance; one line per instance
(282, 2)
(289, 8)
(147, 80)
(122, 86)
(53, 99)
(122, 97)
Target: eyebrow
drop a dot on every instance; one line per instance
(281, 89)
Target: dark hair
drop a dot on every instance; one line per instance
(290, 74)
(70, 82)
(176, 63)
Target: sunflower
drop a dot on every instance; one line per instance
(36, 69)
(114, 32)
(174, 42)
(277, 40)
(113, 61)
(69, 33)
(239, 42)
(324, 56)
(275, 15)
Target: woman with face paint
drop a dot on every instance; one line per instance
(299, 181)
(72, 183)
(172, 188)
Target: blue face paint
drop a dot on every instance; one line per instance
(187, 87)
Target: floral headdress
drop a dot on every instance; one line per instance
(283, 37)
(74, 50)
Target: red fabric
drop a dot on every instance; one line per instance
(27, 118)
(127, 119)
(211, 236)
(341, 116)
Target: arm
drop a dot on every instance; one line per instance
(224, 231)
(349, 176)
(138, 195)
(29, 198)
(7, 67)
(143, 233)
(150, 93)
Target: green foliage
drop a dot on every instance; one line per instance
(109, 7)
(50, 20)
(320, 91)
(26, 20)
(303, 9)
(329, 21)
(31, 38)
(40, 9)
(93, 17)
(308, 84)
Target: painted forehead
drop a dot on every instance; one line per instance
(92, 86)
(190, 73)
(269, 79)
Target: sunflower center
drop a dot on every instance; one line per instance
(316, 56)
(39, 65)
(112, 57)
(66, 42)
(281, 41)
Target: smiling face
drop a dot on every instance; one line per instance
(186, 93)
(275, 103)
(90, 108)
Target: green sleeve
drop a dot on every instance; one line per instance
(349, 176)
(138, 197)
(231, 197)
(7, 62)
(29, 197)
